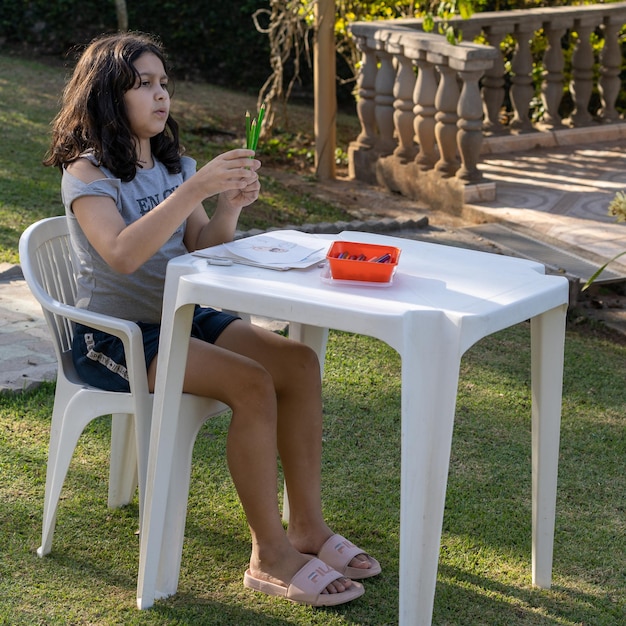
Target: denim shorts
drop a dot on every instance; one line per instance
(99, 357)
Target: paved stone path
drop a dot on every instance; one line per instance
(27, 356)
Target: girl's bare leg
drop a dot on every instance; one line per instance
(295, 373)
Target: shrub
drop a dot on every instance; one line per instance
(214, 40)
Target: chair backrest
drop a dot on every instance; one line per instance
(46, 262)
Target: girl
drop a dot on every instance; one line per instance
(133, 202)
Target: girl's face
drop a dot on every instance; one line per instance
(148, 102)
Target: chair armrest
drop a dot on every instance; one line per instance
(128, 332)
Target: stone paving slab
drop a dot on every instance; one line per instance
(562, 193)
(27, 353)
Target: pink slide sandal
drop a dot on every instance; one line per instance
(307, 585)
(338, 552)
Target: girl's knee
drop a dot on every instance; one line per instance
(311, 360)
(302, 364)
(256, 389)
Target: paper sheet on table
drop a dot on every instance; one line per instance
(283, 250)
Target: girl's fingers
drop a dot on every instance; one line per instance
(247, 166)
(244, 175)
(241, 152)
(247, 163)
(237, 153)
(240, 157)
(234, 169)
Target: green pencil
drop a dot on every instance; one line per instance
(253, 128)
(247, 129)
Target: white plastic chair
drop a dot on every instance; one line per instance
(46, 261)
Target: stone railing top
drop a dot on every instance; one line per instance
(400, 39)
(612, 13)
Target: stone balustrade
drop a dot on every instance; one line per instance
(427, 107)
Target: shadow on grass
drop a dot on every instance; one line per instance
(487, 601)
(189, 610)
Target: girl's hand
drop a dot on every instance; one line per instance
(239, 198)
(242, 189)
(233, 172)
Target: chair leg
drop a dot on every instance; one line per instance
(123, 463)
(142, 421)
(64, 435)
(53, 489)
(73, 410)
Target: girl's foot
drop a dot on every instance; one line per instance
(280, 572)
(342, 555)
(311, 584)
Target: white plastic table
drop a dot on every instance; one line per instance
(443, 299)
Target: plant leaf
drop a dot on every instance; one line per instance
(599, 271)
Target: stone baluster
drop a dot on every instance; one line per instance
(522, 90)
(385, 79)
(366, 91)
(403, 102)
(552, 85)
(492, 90)
(470, 135)
(424, 109)
(581, 85)
(446, 117)
(610, 65)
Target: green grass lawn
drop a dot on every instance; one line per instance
(484, 571)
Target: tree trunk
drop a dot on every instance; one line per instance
(122, 15)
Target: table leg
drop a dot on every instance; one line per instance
(547, 343)
(174, 342)
(430, 373)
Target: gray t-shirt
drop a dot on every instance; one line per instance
(137, 296)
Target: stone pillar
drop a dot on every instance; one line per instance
(362, 152)
(366, 91)
(552, 85)
(610, 65)
(522, 90)
(581, 85)
(446, 118)
(424, 109)
(385, 79)
(470, 135)
(493, 85)
(403, 102)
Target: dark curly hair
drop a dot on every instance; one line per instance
(93, 113)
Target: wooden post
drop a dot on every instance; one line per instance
(325, 90)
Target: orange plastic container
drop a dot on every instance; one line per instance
(359, 262)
